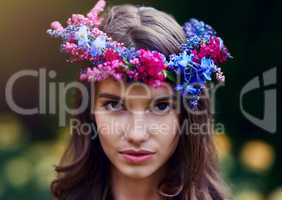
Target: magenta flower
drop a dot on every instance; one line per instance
(111, 55)
(152, 64)
(213, 49)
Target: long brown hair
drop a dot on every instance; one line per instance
(83, 172)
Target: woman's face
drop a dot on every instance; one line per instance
(137, 125)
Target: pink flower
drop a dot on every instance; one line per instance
(151, 63)
(57, 26)
(93, 74)
(102, 71)
(77, 19)
(83, 77)
(92, 18)
(76, 54)
(219, 75)
(93, 15)
(135, 61)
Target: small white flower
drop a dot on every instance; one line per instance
(99, 42)
(82, 35)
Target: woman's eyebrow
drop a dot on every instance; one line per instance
(164, 98)
(107, 95)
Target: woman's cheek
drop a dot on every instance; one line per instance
(168, 136)
(165, 125)
(106, 133)
(110, 131)
(108, 124)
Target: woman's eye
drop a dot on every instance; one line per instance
(113, 106)
(162, 107)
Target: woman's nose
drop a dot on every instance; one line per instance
(137, 132)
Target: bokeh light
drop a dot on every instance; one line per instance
(222, 144)
(250, 195)
(18, 172)
(11, 132)
(257, 155)
(44, 171)
(276, 194)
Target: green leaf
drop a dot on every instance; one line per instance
(169, 75)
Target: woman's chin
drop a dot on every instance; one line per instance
(137, 172)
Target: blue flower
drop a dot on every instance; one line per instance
(94, 51)
(129, 53)
(82, 36)
(191, 43)
(179, 87)
(184, 59)
(189, 89)
(180, 62)
(208, 67)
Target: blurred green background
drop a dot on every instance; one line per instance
(30, 145)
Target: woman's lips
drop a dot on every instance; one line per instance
(137, 156)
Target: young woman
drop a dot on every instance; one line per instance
(147, 146)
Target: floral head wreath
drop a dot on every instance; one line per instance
(197, 62)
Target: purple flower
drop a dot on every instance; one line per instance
(198, 28)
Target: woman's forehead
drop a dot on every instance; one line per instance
(132, 90)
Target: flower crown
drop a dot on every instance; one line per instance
(197, 62)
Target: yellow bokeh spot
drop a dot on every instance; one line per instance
(222, 145)
(257, 155)
(249, 195)
(18, 172)
(276, 195)
(38, 150)
(44, 156)
(10, 132)
(44, 171)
